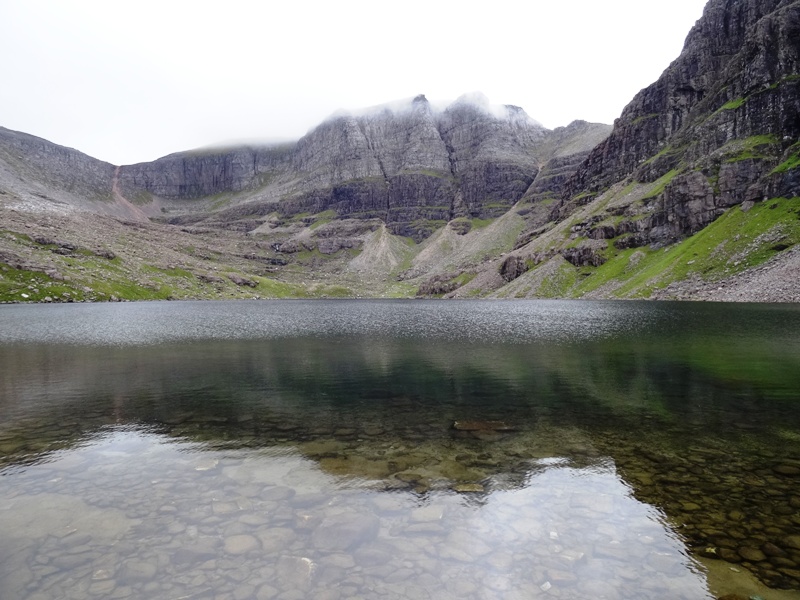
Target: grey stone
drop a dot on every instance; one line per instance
(241, 544)
(134, 570)
(275, 539)
(296, 572)
(345, 531)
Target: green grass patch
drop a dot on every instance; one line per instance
(617, 266)
(661, 184)
(643, 118)
(130, 290)
(17, 237)
(171, 272)
(582, 196)
(777, 84)
(793, 162)
(628, 189)
(270, 288)
(560, 284)
(333, 291)
(733, 104)
(748, 148)
(400, 289)
(464, 278)
(481, 223)
(308, 255)
(665, 152)
(178, 272)
(323, 218)
(21, 285)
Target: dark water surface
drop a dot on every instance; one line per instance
(399, 449)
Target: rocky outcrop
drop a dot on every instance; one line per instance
(512, 267)
(720, 124)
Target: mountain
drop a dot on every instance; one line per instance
(699, 179)
(692, 194)
(346, 207)
(40, 176)
(406, 164)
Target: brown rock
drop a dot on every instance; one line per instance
(791, 541)
(771, 549)
(729, 555)
(751, 554)
(482, 426)
(242, 281)
(788, 470)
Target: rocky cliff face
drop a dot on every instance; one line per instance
(720, 127)
(409, 165)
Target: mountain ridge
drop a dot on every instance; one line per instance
(692, 193)
(402, 162)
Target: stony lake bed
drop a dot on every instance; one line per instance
(400, 449)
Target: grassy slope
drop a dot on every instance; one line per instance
(141, 270)
(737, 241)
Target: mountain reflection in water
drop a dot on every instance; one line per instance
(257, 457)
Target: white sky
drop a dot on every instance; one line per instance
(129, 81)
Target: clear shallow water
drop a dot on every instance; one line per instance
(308, 449)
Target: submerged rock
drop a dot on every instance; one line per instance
(345, 531)
(483, 426)
(241, 544)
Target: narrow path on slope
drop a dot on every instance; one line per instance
(126, 205)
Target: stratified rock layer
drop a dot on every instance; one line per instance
(411, 166)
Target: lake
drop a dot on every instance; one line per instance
(399, 450)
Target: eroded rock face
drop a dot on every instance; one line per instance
(723, 116)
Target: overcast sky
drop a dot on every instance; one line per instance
(129, 81)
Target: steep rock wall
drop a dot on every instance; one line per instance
(717, 124)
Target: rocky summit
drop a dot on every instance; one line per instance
(692, 194)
